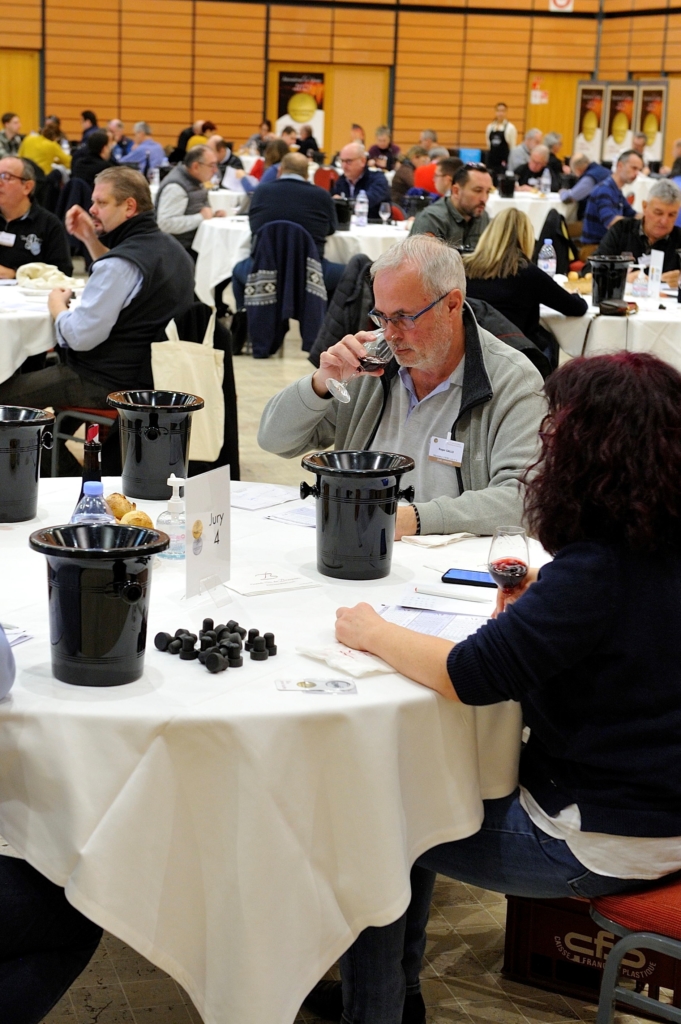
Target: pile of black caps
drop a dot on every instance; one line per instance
(220, 647)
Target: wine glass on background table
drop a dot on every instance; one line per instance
(378, 355)
(384, 212)
(509, 558)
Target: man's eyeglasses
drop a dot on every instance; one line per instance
(404, 322)
(5, 176)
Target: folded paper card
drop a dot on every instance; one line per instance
(268, 579)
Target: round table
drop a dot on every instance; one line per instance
(223, 242)
(228, 831)
(26, 328)
(536, 207)
(653, 330)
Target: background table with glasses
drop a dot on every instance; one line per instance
(222, 243)
(228, 831)
(26, 328)
(653, 330)
(536, 207)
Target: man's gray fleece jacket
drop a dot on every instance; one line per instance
(502, 406)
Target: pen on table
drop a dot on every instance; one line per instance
(456, 593)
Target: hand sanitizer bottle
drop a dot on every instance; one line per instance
(172, 521)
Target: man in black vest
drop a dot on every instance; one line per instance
(182, 201)
(141, 279)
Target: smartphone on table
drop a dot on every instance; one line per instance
(469, 577)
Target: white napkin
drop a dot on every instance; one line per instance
(345, 659)
(437, 540)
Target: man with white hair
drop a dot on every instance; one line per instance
(121, 143)
(520, 155)
(357, 177)
(530, 174)
(145, 152)
(428, 139)
(449, 379)
(654, 230)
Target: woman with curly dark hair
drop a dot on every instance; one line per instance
(589, 648)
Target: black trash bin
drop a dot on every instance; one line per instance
(357, 494)
(609, 277)
(344, 208)
(98, 579)
(23, 435)
(506, 184)
(155, 427)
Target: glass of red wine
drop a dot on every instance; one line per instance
(508, 558)
(378, 355)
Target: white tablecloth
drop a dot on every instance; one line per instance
(238, 836)
(26, 328)
(536, 207)
(222, 243)
(656, 331)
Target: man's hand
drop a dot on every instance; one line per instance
(219, 213)
(6, 274)
(341, 361)
(207, 212)
(80, 224)
(357, 627)
(405, 524)
(58, 301)
(671, 278)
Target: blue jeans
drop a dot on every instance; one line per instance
(44, 943)
(332, 274)
(509, 854)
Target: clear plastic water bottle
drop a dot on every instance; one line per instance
(639, 287)
(547, 258)
(92, 508)
(361, 210)
(154, 177)
(545, 182)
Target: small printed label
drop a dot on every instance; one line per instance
(446, 451)
(7, 238)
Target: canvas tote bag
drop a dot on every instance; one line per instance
(196, 370)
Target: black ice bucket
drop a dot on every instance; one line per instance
(506, 185)
(609, 277)
(98, 581)
(357, 495)
(344, 208)
(414, 204)
(23, 435)
(155, 427)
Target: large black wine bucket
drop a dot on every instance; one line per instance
(609, 274)
(98, 581)
(23, 435)
(357, 495)
(155, 427)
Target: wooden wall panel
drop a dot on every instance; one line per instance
(673, 47)
(81, 60)
(431, 99)
(21, 24)
(495, 68)
(157, 65)
(229, 67)
(549, 52)
(615, 48)
(300, 33)
(363, 37)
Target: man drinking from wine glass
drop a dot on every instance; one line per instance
(464, 405)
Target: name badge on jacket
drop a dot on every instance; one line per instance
(7, 238)
(443, 449)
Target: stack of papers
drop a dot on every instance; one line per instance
(448, 625)
(303, 516)
(15, 634)
(255, 496)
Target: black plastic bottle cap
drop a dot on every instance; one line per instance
(259, 655)
(252, 633)
(215, 662)
(162, 640)
(232, 624)
(241, 631)
(259, 643)
(175, 646)
(235, 638)
(181, 632)
(236, 662)
(207, 624)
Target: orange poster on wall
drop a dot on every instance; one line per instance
(620, 120)
(650, 120)
(589, 133)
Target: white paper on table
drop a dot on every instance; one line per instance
(345, 659)
(303, 516)
(15, 635)
(255, 496)
(207, 545)
(232, 181)
(410, 598)
(269, 579)
(437, 540)
(655, 273)
(449, 626)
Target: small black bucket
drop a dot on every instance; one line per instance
(357, 495)
(98, 580)
(609, 277)
(155, 427)
(506, 185)
(22, 438)
(344, 207)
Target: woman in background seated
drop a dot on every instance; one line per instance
(274, 154)
(501, 272)
(589, 647)
(44, 942)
